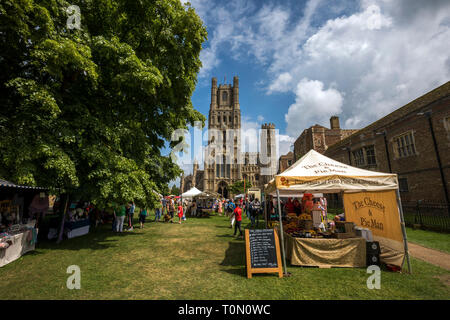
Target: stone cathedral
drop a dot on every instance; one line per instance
(225, 163)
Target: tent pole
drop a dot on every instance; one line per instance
(402, 222)
(281, 233)
(265, 209)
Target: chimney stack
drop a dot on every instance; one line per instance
(334, 123)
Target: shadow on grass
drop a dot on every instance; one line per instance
(223, 227)
(97, 239)
(235, 254)
(238, 272)
(225, 236)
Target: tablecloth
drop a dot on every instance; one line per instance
(20, 245)
(325, 252)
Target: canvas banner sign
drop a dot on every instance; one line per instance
(377, 211)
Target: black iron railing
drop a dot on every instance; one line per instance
(431, 215)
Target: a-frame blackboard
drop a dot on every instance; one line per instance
(262, 252)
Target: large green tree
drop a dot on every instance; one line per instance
(87, 112)
(238, 186)
(175, 190)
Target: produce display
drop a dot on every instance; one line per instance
(303, 225)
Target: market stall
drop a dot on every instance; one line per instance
(191, 193)
(205, 201)
(20, 210)
(371, 203)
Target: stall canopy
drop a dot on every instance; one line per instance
(7, 184)
(371, 199)
(315, 172)
(193, 192)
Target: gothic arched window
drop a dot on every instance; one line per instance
(224, 96)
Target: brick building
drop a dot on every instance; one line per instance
(402, 142)
(285, 162)
(320, 138)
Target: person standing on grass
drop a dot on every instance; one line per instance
(131, 215)
(120, 218)
(114, 219)
(164, 206)
(180, 211)
(142, 216)
(238, 216)
(185, 205)
(220, 207)
(171, 209)
(225, 209)
(255, 208)
(158, 212)
(231, 208)
(194, 208)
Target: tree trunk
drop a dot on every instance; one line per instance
(64, 211)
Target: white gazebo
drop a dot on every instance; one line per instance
(316, 173)
(191, 193)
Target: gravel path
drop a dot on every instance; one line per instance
(436, 257)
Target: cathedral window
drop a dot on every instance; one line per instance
(224, 96)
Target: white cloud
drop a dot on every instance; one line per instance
(285, 144)
(281, 84)
(312, 104)
(360, 66)
(378, 58)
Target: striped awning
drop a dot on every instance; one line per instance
(7, 184)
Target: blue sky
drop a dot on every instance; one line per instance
(300, 62)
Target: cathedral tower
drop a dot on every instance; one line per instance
(222, 166)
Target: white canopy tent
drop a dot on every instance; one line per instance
(314, 173)
(193, 192)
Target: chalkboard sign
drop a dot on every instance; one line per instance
(263, 252)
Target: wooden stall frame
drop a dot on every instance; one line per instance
(251, 270)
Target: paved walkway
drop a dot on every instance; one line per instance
(436, 257)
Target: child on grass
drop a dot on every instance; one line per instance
(142, 216)
(180, 212)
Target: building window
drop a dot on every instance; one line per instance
(403, 184)
(224, 96)
(404, 145)
(365, 156)
(359, 157)
(289, 163)
(370, 155)
(447, 124)
(218, 119)
(223, 167)
(229, 119)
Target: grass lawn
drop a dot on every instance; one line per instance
(196, 260)
(429, 239)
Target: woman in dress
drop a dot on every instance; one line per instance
(220, 207)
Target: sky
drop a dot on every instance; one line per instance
(301, 62)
